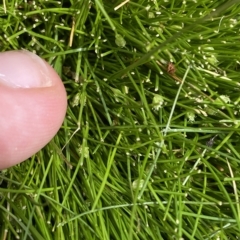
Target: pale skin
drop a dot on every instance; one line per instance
(33, 105)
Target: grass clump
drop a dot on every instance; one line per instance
(149, 148)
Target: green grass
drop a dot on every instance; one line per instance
(133, 158)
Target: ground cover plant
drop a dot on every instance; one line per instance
(149, 148)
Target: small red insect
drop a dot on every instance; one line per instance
(171, 68)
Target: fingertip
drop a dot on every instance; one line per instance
(30, 116)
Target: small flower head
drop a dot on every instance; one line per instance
(120, 41)
(157, 102)
(191, 116)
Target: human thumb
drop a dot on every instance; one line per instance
(33, 104)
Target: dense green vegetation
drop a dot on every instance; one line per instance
(150, 147)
